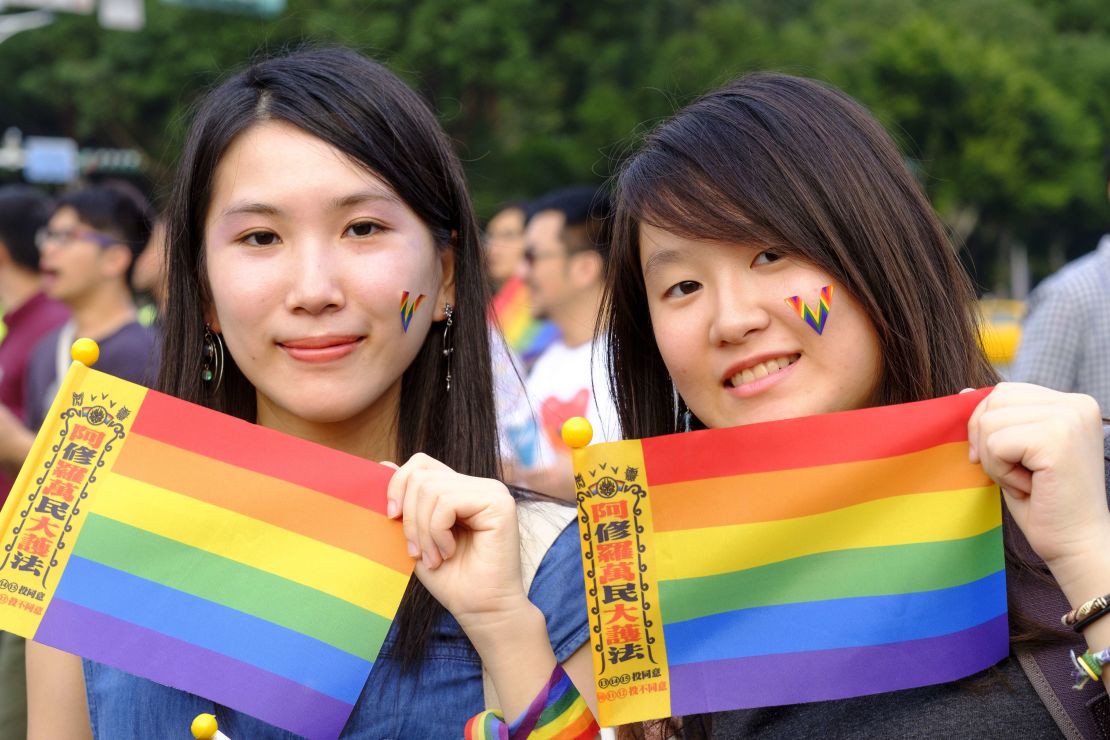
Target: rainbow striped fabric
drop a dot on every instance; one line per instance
(511, 310)
(558, 713)
(202, 552)
(794, 561)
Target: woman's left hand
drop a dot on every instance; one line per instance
(1045, 450)
(463, 532)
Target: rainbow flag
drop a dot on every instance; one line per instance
(793, 561)
(202, 552)
(511, 310)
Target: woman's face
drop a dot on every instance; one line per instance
(737, 349)
(307, 256)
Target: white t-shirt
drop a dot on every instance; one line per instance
(564, 382)
(508, 388)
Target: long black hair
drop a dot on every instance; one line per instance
(363, 110)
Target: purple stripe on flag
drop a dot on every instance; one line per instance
(185, 666)
(795, 678)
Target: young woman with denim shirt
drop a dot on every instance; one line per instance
(313, 190)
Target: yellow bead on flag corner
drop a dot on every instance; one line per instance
(204, 727)
(86, 351)
(577, 432)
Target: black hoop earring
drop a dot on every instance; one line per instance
(212, 360)
(449, 310)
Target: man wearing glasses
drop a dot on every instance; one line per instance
(86, 253)
(566, 250)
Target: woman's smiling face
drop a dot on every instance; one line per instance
(737, 350)
(307, 256)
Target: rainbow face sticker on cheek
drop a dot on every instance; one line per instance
(407, 309)
(805, 313)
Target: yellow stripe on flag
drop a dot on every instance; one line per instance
(249, 541)
(921, 517)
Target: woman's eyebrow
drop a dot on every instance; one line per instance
(346, 201)
(661, 258)
(264, 209)
(364, 196)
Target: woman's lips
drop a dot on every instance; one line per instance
(752, 386)
(320, 349)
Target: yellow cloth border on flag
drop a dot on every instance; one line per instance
(631, 676)
(26, 587)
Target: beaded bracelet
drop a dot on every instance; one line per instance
(1088, 666)
(1094, 609)
(559, 710)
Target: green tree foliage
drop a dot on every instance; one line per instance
(999, 105)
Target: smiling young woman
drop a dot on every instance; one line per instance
(320, 229)
(773, 258)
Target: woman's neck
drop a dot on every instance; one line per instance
(371, 434)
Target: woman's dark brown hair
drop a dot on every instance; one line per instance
(363, 110)
(797, 166)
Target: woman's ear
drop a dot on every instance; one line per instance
(211, 320)
(447, 283)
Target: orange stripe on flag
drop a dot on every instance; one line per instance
(271, 500)
(274, 454)
(786, 494)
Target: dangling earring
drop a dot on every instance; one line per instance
(212, 360)
(683, 412)
(448, 351)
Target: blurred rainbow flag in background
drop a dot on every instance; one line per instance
(793, 561)
(511, 310)
(202, 552)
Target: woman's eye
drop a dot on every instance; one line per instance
(766, 257)
(261, 239)
(686, 287)
(363, 228)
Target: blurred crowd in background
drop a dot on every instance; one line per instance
(999, 106)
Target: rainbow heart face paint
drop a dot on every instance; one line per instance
(407, 308)
(805, 313)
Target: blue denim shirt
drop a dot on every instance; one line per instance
(435, 702)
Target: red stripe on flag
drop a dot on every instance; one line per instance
(848, 436)
(206, 432)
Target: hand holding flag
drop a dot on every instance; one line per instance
(1045, 450)
(463, 532)
(200, 551)
(792, 561)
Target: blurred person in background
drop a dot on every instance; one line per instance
(149, 276)
(565, 255)
(29, 316)
(511, 309)
(1065, 340)
(503, 248)
(504, 243)
(86, 255)
(28, 313)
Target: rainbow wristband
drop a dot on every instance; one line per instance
(559, 711)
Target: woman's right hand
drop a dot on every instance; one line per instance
(1045, 450)
(463, 532)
